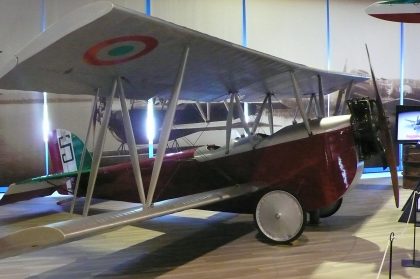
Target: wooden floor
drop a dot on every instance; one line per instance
(202, 244)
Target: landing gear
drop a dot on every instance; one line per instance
(279, 217)
(330, 210)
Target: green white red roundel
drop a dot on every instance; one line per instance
(119, 50)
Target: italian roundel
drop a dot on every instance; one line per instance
(119, 50)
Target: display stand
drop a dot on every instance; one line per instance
(412, 262)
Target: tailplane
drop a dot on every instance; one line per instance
(65, 153)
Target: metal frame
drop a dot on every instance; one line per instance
(203, 116)
(270, 114)
(208, 106)
(347, 95)
(134, 157)
(82, 161)
(166, 129)
(229, 122)
(339, 107)
(313, 102)
(258, 117)
(241, 114)
(97, 152)
(128, 129)
(299, 102)
(321, 97)
(317, 107)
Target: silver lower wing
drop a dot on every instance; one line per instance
(35, 238)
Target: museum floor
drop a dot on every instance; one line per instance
(203, 244)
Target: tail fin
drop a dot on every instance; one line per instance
(66, 151)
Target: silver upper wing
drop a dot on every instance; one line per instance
(90, 47)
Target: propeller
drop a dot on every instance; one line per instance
(383, 127)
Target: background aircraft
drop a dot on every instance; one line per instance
(396, 10)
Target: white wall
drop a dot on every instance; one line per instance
(219, 18)
(351, 28)
(293, 30)
(412, 50)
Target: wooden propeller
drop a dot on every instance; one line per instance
(386, 134)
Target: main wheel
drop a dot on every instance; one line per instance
(279, 217)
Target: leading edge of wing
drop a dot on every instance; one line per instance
(90, 47)
(35, 238)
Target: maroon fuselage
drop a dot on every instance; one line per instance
(317, 169)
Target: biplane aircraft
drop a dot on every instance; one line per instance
(106, 50)
(396, 10)
(415, 124)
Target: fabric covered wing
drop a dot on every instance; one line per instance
(90, 47)
(43, 236)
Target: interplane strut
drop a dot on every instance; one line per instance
(259, 114)
(82, 160)
(241, 114)
(166, 128)
(97, 152)
(134, 157)
(298, 98)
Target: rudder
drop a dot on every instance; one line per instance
(66, 150)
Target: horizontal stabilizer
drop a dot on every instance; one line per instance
(36, 187)
(35, 238)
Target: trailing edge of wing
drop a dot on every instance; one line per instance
(39, 237)
(93, 45)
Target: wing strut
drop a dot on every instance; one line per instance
(241, 114)
(321, 97)
(338, 102)
(208, 111)
(346, 96)
(299, 102)
(226, 105)
(97, 151)
(166, 128)
(313, 102)
(229, 122)
(317, 108)
(258, 118)
(339, 107)
(309, 106)
(201, 111)
(82, 161)
(134, 157)
(270, 114)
